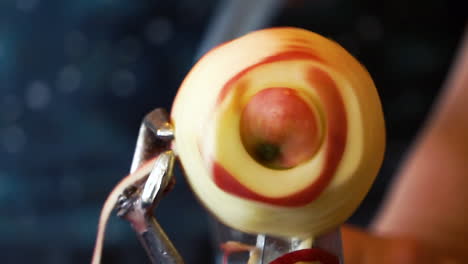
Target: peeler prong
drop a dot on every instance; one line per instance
(154, 137)
(137, 202)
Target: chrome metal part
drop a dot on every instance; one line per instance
(126, 201)
(332, 243)
(154, 137)
(158, 179)
(136, 203)
(157, 245)
(261, 246)
(124, 205)
(271, 248)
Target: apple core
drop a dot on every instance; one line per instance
(279, 129)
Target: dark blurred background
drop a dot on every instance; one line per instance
(76, 77)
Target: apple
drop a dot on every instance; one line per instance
(279, 132)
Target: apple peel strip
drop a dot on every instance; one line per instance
(111, 201)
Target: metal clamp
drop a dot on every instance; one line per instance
(137, 202)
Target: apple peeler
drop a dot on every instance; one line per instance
(137, 203)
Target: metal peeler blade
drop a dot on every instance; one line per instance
(136, 204)
(154, 137)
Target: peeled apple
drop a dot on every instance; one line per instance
(279, 132)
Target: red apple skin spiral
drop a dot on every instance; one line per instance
(279, 132)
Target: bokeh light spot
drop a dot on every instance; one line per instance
(159, 31)
(26, 5)
(38, 95)
(69, 79)
(123, 83)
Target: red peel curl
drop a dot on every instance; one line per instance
(310, 254)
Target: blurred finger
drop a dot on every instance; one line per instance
(361, 247)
